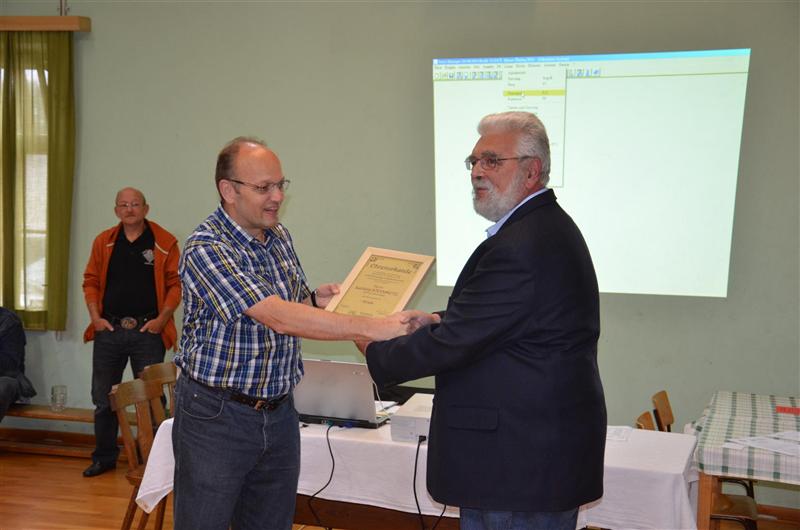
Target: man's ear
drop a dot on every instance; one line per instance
(534, 172)
(226, 190)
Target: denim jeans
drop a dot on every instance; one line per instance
(472, 519)
(110, 356)
(234, 465)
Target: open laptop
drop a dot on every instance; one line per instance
(339, 393)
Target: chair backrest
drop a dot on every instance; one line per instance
(663, 411)
(165, 374)
(145, 396)
(645, 421)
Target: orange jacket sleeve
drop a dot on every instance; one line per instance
(172, 279)
(91, 275)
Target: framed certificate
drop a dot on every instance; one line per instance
(381, 283)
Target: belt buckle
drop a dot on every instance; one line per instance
(260, 404)
(127, 323)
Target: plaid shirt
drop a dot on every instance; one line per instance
(224, 271)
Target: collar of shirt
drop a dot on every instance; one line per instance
(492, 230)
(146, 232)
(240, 234)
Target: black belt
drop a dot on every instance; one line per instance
(250, 401)
(130, 322)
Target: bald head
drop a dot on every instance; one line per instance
(131, 192)
(131, 208)
(250, 184)
(228, 159)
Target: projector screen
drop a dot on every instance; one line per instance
(644, 156)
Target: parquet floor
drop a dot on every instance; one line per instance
(49, 493)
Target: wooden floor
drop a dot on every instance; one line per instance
(48, 493)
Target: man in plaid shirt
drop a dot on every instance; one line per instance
(236, 436)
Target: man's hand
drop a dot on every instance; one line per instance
(154, 326)
(420, 319)
(101, 323)
(325, 293)
(398, 324)
(391, 326)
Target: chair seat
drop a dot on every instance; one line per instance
(762, 524)
(735, 505)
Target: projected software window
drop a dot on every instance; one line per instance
(636, 140)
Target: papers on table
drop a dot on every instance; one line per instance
(785, 443)
(618, 433)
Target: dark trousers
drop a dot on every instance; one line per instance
(110, 356)
(8, 393)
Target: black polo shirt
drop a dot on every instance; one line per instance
(130, 281)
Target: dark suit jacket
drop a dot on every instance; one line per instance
(519, 417)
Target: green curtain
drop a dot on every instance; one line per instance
(37, 143)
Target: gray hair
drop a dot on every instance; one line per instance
(532, 136)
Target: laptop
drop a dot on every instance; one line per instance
(338, 393)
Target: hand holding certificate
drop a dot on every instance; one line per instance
(381, 283)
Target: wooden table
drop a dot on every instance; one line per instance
(736, 415)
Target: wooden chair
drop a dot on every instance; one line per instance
(145, 396)
(645, 421)
(736, 509)
(760, 524)
(165, 374)
(738, 514)
(662, 411)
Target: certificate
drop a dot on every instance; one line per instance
(381, 283)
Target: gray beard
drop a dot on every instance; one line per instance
(494, 206)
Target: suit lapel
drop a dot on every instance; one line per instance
(545, 198)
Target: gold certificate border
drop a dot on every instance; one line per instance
(425, 265)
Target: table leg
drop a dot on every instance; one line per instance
(708, 488)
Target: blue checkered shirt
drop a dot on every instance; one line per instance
(224, 271)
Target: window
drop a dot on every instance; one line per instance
(37, 148)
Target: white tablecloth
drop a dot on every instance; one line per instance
(370, 469)
(646, 482)
(159, 474)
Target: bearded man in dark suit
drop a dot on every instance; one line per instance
(518, 428)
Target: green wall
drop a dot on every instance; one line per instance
(342, 91)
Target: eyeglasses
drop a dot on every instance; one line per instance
(282, 185)
(489, 161)
(134, 205)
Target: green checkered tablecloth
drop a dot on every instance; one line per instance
(736, 415)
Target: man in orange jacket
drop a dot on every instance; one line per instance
(131, 286)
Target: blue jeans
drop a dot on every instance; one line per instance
(234, 465)
(472, 519)
(109, 358)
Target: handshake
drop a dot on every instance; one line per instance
(378, 328)
(398, 324)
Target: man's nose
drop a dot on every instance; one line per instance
(476, 173)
